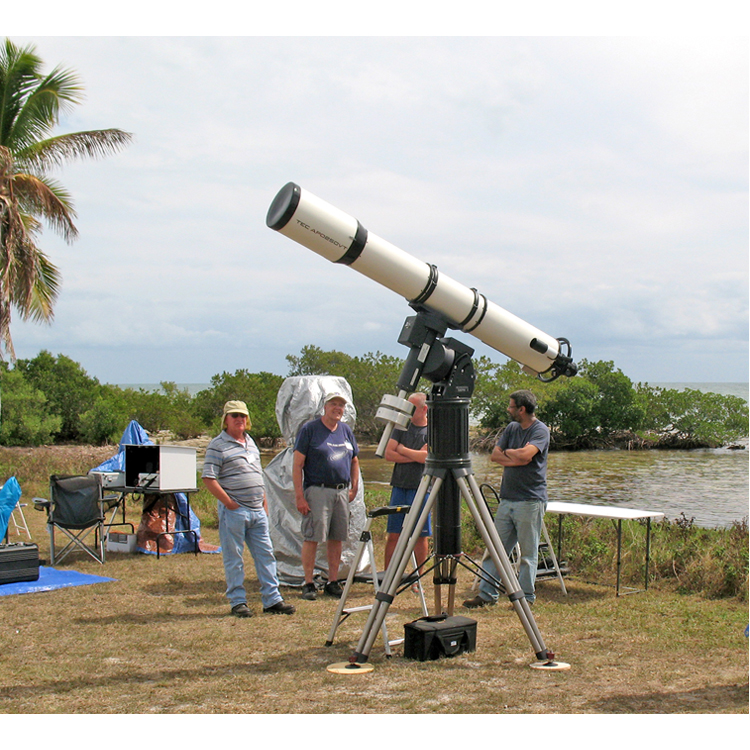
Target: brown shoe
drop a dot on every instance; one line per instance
(477, 602)
(241, 610)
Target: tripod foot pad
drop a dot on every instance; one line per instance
(550, 666)
(345, 667)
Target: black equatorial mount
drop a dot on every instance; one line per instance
(447, 479)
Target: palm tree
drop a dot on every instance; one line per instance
(30, 106)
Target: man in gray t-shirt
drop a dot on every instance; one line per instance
(232, 473)
(522, 452)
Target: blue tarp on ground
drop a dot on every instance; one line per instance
(51, 579)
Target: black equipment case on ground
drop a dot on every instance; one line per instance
(19, 562)
(434, 636)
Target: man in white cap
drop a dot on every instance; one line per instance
(326, 477)
(232, 473)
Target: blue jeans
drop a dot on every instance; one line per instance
(237, 528)
(517, 521)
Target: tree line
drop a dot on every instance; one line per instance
(51, 399)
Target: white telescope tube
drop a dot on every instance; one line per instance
(340, 238)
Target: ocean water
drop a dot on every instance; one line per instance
(725, 389)
(192, 388)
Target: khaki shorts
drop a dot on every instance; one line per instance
(328, 518)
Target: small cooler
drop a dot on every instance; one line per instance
(19, 561)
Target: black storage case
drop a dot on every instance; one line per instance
(19, 562)
(431, 637)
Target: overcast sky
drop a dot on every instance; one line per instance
(596, 187)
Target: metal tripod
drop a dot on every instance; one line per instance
(442, 476)
(447, 479)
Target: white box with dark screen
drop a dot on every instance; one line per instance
(160, 467)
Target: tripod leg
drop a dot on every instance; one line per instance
(554, 558)
(376, 587)
(451, 586)
(438, 589)
(364, 538)
(413, 525)
(483, 519)
(420, 587)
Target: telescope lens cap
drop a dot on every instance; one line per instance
(283, 207)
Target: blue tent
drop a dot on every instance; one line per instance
(135, 435)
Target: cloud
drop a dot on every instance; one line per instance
(596, 187)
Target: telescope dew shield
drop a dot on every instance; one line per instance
(340, 238)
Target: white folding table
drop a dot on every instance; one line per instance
(616, 514)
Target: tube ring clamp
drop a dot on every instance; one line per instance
(432, 282)
(477, 297)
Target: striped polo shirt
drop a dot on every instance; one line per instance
(237, 469)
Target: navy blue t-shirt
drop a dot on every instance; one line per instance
(328, 455)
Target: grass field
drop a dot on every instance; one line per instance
(160, 640)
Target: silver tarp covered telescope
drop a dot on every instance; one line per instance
(340, 238)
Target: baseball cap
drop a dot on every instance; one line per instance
(235, 407)
(335, 394)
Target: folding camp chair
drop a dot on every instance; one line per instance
(76, 509)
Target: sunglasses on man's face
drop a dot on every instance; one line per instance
(238, 416)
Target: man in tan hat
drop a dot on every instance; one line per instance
(232, 473)
(325, 473)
